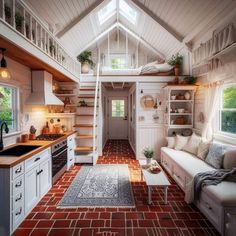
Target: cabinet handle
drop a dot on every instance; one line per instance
(19, 198)
(38, 173)
(71, 159)
(17, 171)
(19, 212)
(18, 184)
(37, 159)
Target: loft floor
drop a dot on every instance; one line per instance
(175, 218)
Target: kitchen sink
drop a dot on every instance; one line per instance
(18, 150)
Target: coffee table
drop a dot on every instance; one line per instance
(154, 180)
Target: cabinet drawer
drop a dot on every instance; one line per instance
(167, 164)
(18, 185)
(35, 160)
(17, 216)
(17, 200)
(17, 170)
(179, 176)
(211, 210)
(71, 141)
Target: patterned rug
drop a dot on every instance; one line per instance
(100, 186)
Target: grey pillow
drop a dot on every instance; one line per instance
(215, 155)
(230, 159)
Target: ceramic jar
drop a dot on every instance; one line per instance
(187, 95)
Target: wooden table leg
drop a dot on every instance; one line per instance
(149, 195)
(165, 193)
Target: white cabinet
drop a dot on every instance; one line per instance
(37, 179)
(70, 151)
(21, 188)
(179, 112)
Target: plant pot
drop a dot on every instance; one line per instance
(32, 136)
(148, 161)
(85, 68)
(177, 70)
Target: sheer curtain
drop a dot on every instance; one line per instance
(212, 99)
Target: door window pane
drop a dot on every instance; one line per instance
(118, 108)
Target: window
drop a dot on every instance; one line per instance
(8, 106)
(118, 63)
(128, 12)
(107, 12)
(118, 108)
(228, 110)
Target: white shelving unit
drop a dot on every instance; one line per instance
(179, 97)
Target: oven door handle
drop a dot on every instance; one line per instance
(60, 153)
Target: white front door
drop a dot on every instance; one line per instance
(117, 118)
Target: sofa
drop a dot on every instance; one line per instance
(216, 202)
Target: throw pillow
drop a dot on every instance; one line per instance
(180, 142)
(203, 149)
(171, 142)
(215, 155)
(192, 145)
(230, 159)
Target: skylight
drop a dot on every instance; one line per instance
(128, 12)
(111, 8)
(107, 12)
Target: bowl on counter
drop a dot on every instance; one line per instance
(181, 110)
(173, 97)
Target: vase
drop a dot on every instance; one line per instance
(85, 68)
(148, 161)
(187, 95)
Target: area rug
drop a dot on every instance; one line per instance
(100, 186)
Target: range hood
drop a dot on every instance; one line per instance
(42, 90)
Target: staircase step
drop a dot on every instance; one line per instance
(88, 106)
(84, 136)
(84, 149)
(87, 89)
(84, 126)
(84, 97)
(85, 115)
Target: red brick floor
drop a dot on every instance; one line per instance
(175, 218)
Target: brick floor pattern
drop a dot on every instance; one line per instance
(175, 218)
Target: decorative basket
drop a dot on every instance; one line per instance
(180, 121)
(147, 101)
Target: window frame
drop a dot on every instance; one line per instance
(219, 116)
(15, 108)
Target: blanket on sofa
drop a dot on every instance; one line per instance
(212, 178)
(194, 187)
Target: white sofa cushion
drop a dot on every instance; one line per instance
(189, 162)
(230, 159)
(171, 141)
(224, 193)
(192, 145)
(180, 142)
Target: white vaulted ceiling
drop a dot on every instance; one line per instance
(164, 25)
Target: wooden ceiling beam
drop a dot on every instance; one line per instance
(158, 20)
(79, 18)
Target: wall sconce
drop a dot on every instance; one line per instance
(4, 72)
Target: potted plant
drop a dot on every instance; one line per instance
(32, 135)
(19, 21)
(176, 61)
(148, 153)
(7, 10)
(52, 48)
(190, 80)
(85, 59)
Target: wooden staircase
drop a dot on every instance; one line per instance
(86, 124)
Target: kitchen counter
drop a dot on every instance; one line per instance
(10, 161)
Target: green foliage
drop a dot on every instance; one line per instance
(19, 19)
(85, 57)
(7, 10)
(228, 121)
(176, 60)
(190, 79)
(229, 97)
(5, 105)
(148, 152)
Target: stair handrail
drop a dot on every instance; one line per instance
(95, 109)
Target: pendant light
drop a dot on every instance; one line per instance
(4, 72)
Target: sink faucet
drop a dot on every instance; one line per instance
(1, 129)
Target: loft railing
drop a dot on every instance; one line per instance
(21, 19)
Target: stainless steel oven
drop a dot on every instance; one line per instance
(59, 160)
